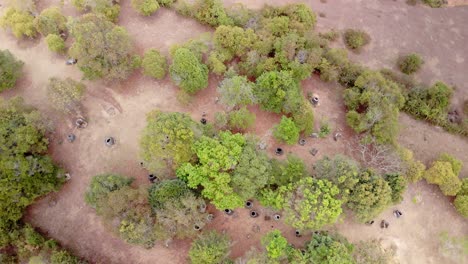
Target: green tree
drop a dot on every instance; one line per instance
(209, 248)
(278, 92)
(289, 171)
(10, 70)
(431, 103)
(145, 7)
(65, 95)
(50, 21)
(398, 185)
(102, 185)
(21, 23)
(26, 172)
(355, 39)
(461, 201)
(167, 140)
(241, 119)
(162, 193)
(276, 245)
(104, 50)
(287, 131)
(342, 171)
(106, 8)
(217, 157)
(370, 196)
(63, 256)
(55, 43)
(410, 63)
(235, 40)
(211, 12)
(444, 172)
(188, 72)
(154, 64)
(329, 249)
(304, 117)
(236, 91)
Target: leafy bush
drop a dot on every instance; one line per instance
(325, 129)
(102, 185)
(211, 12)
(331, 35)
(65, 95)
(329, 249)
(62, 256)
(461, 201)
(209, 248)
(349, 74)
(163, 192)
(435, 3)
(241, 119)
(106, 8)
(154, 64)
(356, 39)
(50, 21)
(414, 170)
(304, 118)
(55, 43)
(167, 140)
(410, 63)
(21, 23)
(236, 91)
(10, 70)
(444, 172)
(431, 103)
(145, 7)
(276, 245)
(398, 185)
(287, 131)
(188, 72)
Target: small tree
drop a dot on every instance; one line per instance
(50, 21)
(154, 64)
(188, 72)
(241, 119)
(329, 249)
(10, 70)
(211, 12)
(410, 64)
(145, 7)
(21, 23)
(106, 8)
(398, 185)
(236, 91)
(55, 43)
(355, 39)
(276, 245)
(102, 185)
(287, 131)
(209, 248)
(444, 172)
(65, 95)
(162, 193)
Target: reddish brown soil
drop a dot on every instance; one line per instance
(119, 111)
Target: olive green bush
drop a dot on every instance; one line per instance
(154, 64)
(51, 21)
(444, 172)
(461, 201)
(435, 3)
(55, 43)
(287, 131)
(10, 70)
(410, 63)
(355, 39)
(188, 72)
(102, 185)
(21, 23)
(210, 248)
(106, 8)
(145, 7)
(65, 95)
(241, 119)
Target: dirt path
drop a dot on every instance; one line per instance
(120, 112)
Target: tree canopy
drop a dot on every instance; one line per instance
(329, 249)
(154, 64)
(187, 71)
(444, 172)
(21, 23)
(103, 50)
(10, 70)
(287, 131)
(209, 248)
(51, 21)
(236, 91)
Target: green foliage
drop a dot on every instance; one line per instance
(106, 8)
(329, 249)
(328, 71)
(55, 43)
(435, 3)
(241, 119)
(278, 92)
(286, 172)
(154, 64)
(342, 171)
(188, 72)
(50, 21)
(349, 74)
(461, 204)
(236, 91)
(235, 40)
(209, 248)
(167, 139)
(145, 7)
(276, 245)
(370, 196)
(287, 131)
(373, 105)
(431, 103)
(23, 5)
(211, 12)
(304, 118)
(410, 63)
(166, 2)
(102, 185)
(216, 159)
(444, 172)
(10, 70)
(65, 95)
(21, 23)
(311, 204)
(26, 172)
(331, 35)
(104, 50)
(161, 193)
(356, 39)
(398, 185)
(62, 256)
(414, 169)
(325, 130)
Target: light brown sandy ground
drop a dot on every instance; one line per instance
(120, 113)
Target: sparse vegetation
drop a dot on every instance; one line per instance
(55, 43)
(65, 95)
(154, 64)
(356, 39)
(210, 248)
(410, 63)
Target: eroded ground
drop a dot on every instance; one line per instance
(119, 110)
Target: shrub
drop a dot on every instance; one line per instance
(398, 185)
(410, 63)
(211, 12)
(276, 245)
(461, 201)
(349, 74)
(145, 7)
(431, 103)
(329, 249)
(65, 95)
(188, 72)
(154, 64)
(241, 119)
(356, 39)
(62, 256)
(331, 35)
(55, 43)
(161, 193)
(435, 3)
(209, 248)
(107, 8)
(10, 70)
(287, 131)
(50, 21)
(236, 91)
(328, 72)
(102, 185)
(444, 172)
(325, 129)
(21, 23)
(166, 2)
(304, 118)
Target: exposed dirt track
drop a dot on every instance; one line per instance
(120, 112)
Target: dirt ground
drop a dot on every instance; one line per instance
(119, 111)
